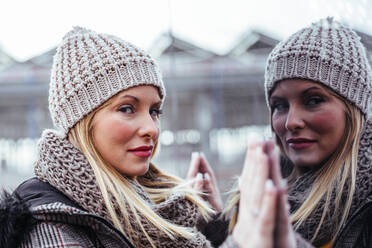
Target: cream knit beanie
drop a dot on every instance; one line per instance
(326, 52)
(89, 68)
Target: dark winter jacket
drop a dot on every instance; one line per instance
(357, 232)
(38, 215)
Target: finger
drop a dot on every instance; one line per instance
(276, 174)
(205, 167)
(269, 146)
(194, 165)
(268, 213)
(208, 186)
(258, 182)
(283, 225)
(249, 183)
(213, 194)
(269, 149)
(199, 184)
(283, 211)
(249, 166)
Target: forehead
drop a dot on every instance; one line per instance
(142, 92)
(295, 86)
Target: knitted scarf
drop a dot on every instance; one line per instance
(299, 190)
(64, 166)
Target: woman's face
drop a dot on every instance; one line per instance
(308, 120)
(126, 131)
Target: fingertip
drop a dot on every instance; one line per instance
(199, 176)
(207, 177)
(284, 184)
(254, 138)
(269, 146)
(269, 185)
(194, 155)
(239, 181)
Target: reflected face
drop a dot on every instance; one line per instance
(126, 130)
(308, 120)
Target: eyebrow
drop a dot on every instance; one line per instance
(129, 96)
(310, 89)
(302, 93)
(137, 99)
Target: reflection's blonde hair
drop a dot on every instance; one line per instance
(336, 176)
(112, 183)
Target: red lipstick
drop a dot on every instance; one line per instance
(142, 151)
(300, 143)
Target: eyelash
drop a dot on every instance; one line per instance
(280, 105)
(276, 106)
(317, 100)
(123, 109)
(157, 111)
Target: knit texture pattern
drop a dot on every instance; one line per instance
(89, 68)
(326, 52)
(301, 187)
(66, 168)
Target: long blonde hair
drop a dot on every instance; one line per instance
(337, 175)
(112, 183)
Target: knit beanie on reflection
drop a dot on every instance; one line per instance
(326, 52)
(89, 68)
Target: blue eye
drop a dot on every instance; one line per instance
(313, 101)
(126, 109)
(156, 112)
(279, 106)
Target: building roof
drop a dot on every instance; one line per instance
(253, 41)
(5, 60)
(168, 43)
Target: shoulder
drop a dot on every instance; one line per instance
(41, 216)
(54, 234)
(16, 217)
(358, 229)
(36, 192)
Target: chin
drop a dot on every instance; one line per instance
(143, 173)
(304, 163)
(142, 169)
(135, 170)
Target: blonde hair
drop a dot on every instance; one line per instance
(112, 183)
(337, 175)
(231, 210)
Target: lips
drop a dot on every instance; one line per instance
(300, 143)
(142, 151)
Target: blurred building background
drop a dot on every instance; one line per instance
(213, 103)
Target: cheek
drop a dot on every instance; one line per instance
(328, 122)
(114, 131)
(278, 123)
(121, 131)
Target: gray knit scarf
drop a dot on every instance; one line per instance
(66, 168)
(301, 187)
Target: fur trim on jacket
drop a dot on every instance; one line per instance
(15, 218)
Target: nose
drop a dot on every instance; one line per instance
(148, 127)
(294, 119)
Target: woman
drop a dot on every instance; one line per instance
(318, 84)
(95, 185)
